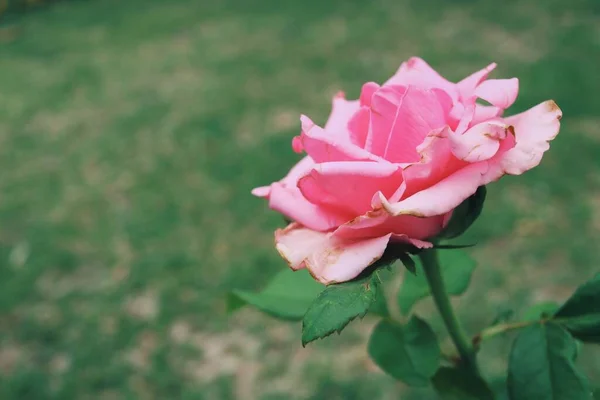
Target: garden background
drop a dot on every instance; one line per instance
(131, 133)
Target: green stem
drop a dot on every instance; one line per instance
(501, 328)
(433, 274)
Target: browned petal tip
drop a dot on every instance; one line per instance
(553, 107)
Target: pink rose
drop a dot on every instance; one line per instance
(393, 165)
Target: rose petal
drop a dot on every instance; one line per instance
(323, 147)
(339, 261)
(300, 169)
(290, 202)
(359, 126)
(534, 129)
(479, 143)
(295, 243)
(441, 197)
(366, 93)
(484, 113)
(341, 112)
(379, 222)
(467, 86)
(501, 93)
(401, 118)
(262, 191)
(417, 72)
(350, 185)
(437, 163)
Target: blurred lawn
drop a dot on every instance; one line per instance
(132, 132)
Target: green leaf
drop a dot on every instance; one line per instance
(540, 311)
(287, 296)
(457, 268)
(457, 384)
(379, 306)
(409, 353)
(464, 215)
(581, 313)
(337, 305)
(541, 366)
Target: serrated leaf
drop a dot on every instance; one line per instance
(581, 313)
(457, 268)
(409, 353)
(541, 366)
(464, 215)
(336, 306)
(287, 296)
(456, 384)
(541, 310)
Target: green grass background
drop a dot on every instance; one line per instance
(131, 133)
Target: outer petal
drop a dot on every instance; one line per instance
(467, 86)
(379, 222)
(341, 112)
(359, 126)
(323, 147)
(366, 93)
(295, 243)
(289, 201)
(340, 261)
(501, 93)
(418, 73)
(479, 143)
(350, 185)
(328, 258)
(302, 168)
(443, 196)
(534, 129)
(485, 113)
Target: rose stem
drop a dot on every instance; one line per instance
(431, 265)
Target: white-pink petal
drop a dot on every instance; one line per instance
(501, 93)
(534, 129)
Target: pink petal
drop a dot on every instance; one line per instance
(366, 93)
(479, 143)
(288, 200)
(340, 261)
(262, 191)
(379, 222)
(295, 243)
(467, 86)
(297, 144)
(341, 112)
(534, 129)
(443, 196)
(329, 259)
(484, 113)
(323, 147)
(418, 73)
(301, 168)
(402, 117)
(437, 163)
(350, 185)
(359, 127)
(501, 93)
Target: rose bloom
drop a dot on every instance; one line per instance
(393, 165)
